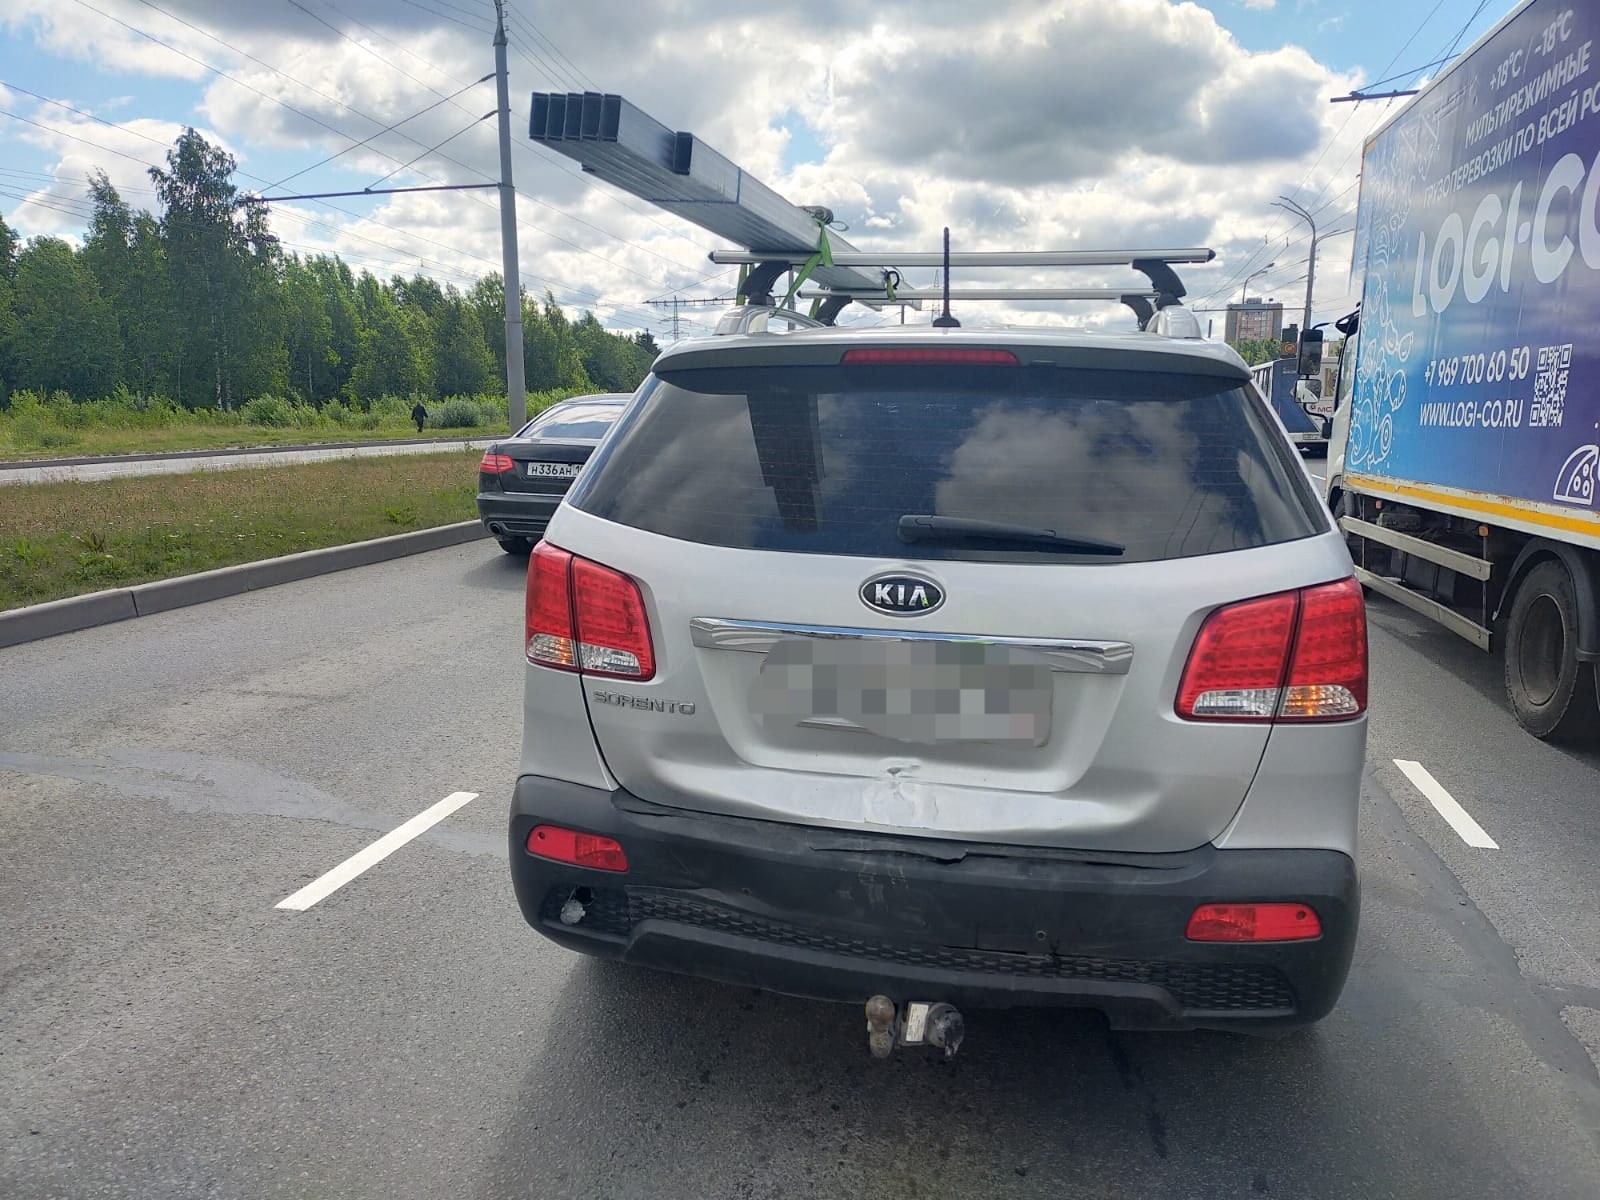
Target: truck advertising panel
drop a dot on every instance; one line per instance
(1478, 365)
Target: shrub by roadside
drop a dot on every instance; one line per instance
(34, 425)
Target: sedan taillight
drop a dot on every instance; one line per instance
(496, 464)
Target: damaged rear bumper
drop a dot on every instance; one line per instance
(835, 915)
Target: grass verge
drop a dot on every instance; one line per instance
(89, 443)
(64, 539)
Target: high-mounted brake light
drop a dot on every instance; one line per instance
(582, 616)
(576, 849)
(496, 464)
(1253, 923)
(1295, 656)
(950, 355)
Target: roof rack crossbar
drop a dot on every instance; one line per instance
(974, 258)
(905, 295)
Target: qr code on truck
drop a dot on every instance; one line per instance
(1550, 385)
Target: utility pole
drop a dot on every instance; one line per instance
(516, 381)
(1289, 205)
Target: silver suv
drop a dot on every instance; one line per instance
(988, 668)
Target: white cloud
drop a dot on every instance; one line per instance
(1018, 123)
(1260, 4)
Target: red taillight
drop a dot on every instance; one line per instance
(613, 632)
(1236, 668)
(1328, 675)
(582, 616)
(1296, 656)
(550, 638)
(576, 849)
(1253, 923)
(965, 356)
(495, 464)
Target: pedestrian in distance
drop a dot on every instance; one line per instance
(419, 414)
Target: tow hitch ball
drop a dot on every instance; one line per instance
(920, 1023)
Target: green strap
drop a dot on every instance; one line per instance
(822, 258)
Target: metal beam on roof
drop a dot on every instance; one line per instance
(617, 142)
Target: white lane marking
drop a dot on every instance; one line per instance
(374, 854)
(1458, 818)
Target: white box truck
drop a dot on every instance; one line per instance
(1465, 443)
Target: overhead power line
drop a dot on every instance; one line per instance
(322, 162)
(291, 108)
(529, 280)
(1284, 224)
(702, 276)
(433, 12)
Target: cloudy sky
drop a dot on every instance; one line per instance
(1021, 124)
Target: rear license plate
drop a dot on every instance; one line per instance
(549, 470)
(921, 692)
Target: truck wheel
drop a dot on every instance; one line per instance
(1553, 695)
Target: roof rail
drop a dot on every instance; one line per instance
(753, 318)
(615, 141)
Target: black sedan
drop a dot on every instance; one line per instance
(522, 479)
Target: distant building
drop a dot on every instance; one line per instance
(1252, 320)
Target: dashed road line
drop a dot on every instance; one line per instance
(1457, 817)
(325, 885)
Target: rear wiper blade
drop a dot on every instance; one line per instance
(925, 527)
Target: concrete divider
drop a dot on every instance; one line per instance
(145, 599)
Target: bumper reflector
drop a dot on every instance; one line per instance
(1253, 923)
(576, 849)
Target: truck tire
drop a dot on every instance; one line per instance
(1552, 693)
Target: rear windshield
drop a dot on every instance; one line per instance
(583, 423)
(827, 460)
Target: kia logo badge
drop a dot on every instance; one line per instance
(901, 595)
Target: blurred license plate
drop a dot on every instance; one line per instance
(909, 691)
(553, 470)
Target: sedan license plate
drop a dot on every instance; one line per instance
(915, 691)
(550, 470)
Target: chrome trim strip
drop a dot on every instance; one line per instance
(757, 637)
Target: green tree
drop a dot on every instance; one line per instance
(62, 334)
(308, 330)
(8, 272)
(8, 252)
(463, 365)
(222, 261)
(391, 358)
(1257, 350)
(550, 354)
(337, 285)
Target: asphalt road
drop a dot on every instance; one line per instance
(167, 1032)
(123, 466)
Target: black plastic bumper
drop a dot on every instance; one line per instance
(834, 915)
(508, 514)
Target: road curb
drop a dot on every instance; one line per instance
(142, 600)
